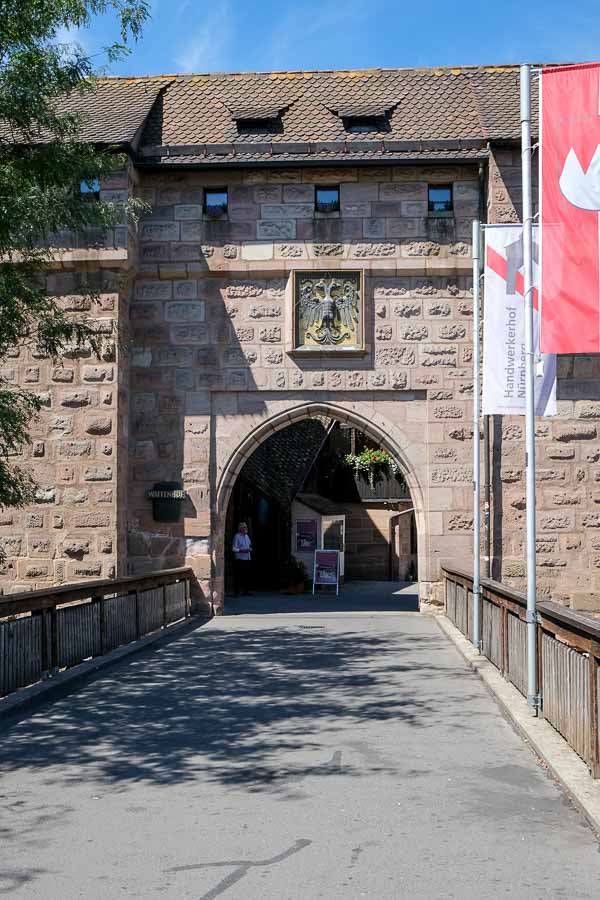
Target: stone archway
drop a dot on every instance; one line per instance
(386, 433)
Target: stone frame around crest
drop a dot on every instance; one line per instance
(311, 352)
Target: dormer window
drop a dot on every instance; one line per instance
(258, 120)
(365, 118)
(362, 124)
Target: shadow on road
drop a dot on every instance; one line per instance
(227, 702)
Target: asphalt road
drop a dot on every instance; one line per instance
(332, 755)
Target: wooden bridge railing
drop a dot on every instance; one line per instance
(568, 650)
(45, 631)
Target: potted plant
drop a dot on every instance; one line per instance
(371, 464)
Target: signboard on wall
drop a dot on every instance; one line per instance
(327, 569)
(306, 535)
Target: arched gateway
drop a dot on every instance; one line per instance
(389, 436)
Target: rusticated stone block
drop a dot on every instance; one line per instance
(384, 333)
(90, 570)
(391, 287)
(575, 432)
(34, 520)
(68, 449)
(76, 548)
(98, 373)
(407, 310)
(272, 357)
(45, 495)
(568, 499)
(78, 399)
(513, 569)
(587, 409)
(91, 520)
(189, 334)
(185, 311)
(289, 251)
(153, 290)
(439, 309)
(270, 335)
(266, 311)
(11, 546)
(98, 473)
(62, 375)
(452, 332)
(62, 424)
(451, 475)
(421, 248)
(447, 412)
(159, 231)
(245, 289)
(374, 250)
(414, 332)
(461, 434)
(460, 522)
(328, 249)
(510, 476)
(280, 230)
(173, 356)
(98, 425)
(75, 496)
(395, 356)
(550, 475)
(558, 522)
(435, 355)
(398, 380)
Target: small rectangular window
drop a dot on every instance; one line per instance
(363, 124)
(90, 188)
(327, 199)
(215, 202)
(440, 199)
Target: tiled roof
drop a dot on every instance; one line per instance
(433, 114)
(280, 464)
(116, 109)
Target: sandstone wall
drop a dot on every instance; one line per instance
(71, 531)
(213, 360)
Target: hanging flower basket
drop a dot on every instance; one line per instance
(371, 464)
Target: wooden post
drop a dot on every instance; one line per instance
(504, 640)
(188, 597)
(138, 630)
(594, 757)
(54, 640)
(164, 590)
(46, 616)
(103, 635)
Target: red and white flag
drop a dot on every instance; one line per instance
(504, 328)
(570, 209)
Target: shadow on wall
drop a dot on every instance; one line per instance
(182, 712)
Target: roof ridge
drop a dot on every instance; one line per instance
(283, 73)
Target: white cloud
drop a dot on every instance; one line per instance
(208, 49)
(72, 36)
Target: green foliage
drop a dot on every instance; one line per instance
(370, 464)
(42, 164)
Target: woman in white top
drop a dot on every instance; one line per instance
(242, 551)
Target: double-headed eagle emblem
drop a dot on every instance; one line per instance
(329, 309)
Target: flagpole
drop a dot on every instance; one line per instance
(531, 617)
(476, 441)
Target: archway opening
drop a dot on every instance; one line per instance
(323, 483)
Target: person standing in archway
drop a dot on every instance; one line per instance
(242, 552)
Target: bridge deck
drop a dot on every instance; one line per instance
(282, 757)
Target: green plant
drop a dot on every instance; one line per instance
(296, 571)
(44, 78)
(370, 464)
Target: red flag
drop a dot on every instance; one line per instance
(570, 209)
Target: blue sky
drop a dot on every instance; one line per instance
(264, 35)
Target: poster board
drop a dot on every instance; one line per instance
(306, 535)
(327, 569)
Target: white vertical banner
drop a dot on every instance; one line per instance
(504, 328)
